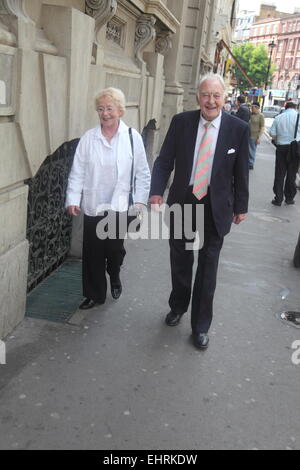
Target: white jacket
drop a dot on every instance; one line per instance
(85, 187)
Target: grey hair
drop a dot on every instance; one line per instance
(115, 94)
(211, 76)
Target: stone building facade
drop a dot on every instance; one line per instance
(55, 55)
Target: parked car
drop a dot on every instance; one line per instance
(271, 111)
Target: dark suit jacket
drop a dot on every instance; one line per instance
(229, 180)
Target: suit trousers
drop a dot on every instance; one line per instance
(285, 175)
(99, 256)
(182, 261)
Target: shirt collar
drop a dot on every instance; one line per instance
(98, 132)
(215, 123)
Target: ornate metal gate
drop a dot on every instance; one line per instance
(49, 226)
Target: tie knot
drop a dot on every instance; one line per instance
(207, 125)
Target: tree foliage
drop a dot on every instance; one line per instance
(255, 61)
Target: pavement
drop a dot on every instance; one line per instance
(116, 377)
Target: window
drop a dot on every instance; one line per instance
(115, 31)
(291, 45)
(288, 64)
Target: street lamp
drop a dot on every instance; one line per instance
(271, 47)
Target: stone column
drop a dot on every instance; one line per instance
(145, 33)
(173, 98)
(13, 171)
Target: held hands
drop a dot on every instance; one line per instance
(74, 210)
(155, 202)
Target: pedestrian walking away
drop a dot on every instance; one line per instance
(106, 163)
(257, 127)
(209, 150)
(243, 110)
(284, 130)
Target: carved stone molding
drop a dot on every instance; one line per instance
(102, 11)
(163, 42)
(16, 8)
(144, 34)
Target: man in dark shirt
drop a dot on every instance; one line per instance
(243, 110)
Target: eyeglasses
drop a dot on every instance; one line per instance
(206, 95)
(109, 109)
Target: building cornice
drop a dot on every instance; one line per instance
(159, 10)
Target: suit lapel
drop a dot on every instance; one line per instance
(190, 140)
(222, 142)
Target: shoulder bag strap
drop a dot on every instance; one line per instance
(132, 168)
(296, 128)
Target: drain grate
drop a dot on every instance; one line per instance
(57, 297)
(292, 318)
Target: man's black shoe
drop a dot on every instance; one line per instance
(172, 319)
(116, 291)
(201, 341)
(86, 304)
(290, 202)
(116, 288)
(276, 203)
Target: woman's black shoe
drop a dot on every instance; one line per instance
(86, 304)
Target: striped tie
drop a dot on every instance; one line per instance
(203, 164)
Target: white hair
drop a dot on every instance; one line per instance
(115, 94)
(211, 76)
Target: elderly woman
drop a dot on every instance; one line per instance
(106, 162)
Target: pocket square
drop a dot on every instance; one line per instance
(230, 151)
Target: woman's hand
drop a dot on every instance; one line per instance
(139, 206)
(74, 210)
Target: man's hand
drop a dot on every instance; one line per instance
(238, 218)
(74, 210)
(155, 202)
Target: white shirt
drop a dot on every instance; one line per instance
(283, 127)
(101, 172)
(214, 132)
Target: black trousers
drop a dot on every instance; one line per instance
(99, 256)
(285, 175)
(206, 274)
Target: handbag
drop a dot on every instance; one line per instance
(130, 200)
(133, 215)
(294, 150)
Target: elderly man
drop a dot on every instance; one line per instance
(209, 150)
(283, 131)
